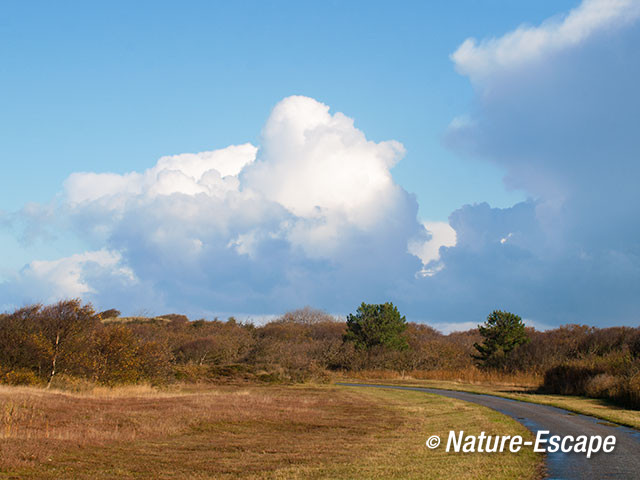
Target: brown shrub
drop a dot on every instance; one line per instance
(615, 377)
(569, 379)
(118, 356)
(601, 385)
(22, 376)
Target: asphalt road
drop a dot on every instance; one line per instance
(622, 463)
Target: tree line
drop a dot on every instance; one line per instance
(67, 343)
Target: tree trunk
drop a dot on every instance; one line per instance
(53, 360)
(202, 359)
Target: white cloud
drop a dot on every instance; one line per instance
(314, 164)
(529, 44)
(442, 235)
(448, 327)
(50, 280)
(556, 109)
(213, 173)
(323, 170)
(313, 216)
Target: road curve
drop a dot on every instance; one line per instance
(622, 463)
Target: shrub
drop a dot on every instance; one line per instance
(615, 377)
(175, 319)
(118, 356)
(111, 313)
(22, 376)
(307, 316)
(569, 379)
(211, 342)
(601, 385)
(629, 392)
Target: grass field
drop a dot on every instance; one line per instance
(600, 408)
(278, 432)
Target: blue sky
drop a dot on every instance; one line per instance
(116, 86)
(113, 87)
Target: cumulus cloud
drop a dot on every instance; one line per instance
(556, 108)
(325, 172)
(69, 277)
(213, 173)
(311, 217)
(441, 235)
(526, 45)
(314, 163)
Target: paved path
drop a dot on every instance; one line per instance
(622, 463)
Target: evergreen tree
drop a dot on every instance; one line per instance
(376, 325)
(502, 332)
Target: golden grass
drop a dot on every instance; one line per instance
(402, 455)
(599, 408)
(245, 432)
(471, 375)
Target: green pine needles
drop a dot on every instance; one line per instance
(502, 332)
(376, 325)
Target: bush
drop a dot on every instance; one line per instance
(601, 385)
(569, 379)
(629, 393)
(111, 313)
(21, 376)
(118, 356)
(66, 344)
(213, 342)
(615, 377)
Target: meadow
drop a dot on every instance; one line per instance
(250, 431)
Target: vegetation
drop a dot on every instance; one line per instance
(502, 332)
(111, 313)
(376, 326)
(67, 345)
(306, 431)
(503, 386)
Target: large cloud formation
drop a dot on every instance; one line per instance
(557, 107)
(312, 217)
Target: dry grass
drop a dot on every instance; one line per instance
(599, 408)
(402, 455)
(244, 432)
(471, 375)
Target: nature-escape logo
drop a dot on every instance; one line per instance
(457, 442)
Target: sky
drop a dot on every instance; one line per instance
(249, 158)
